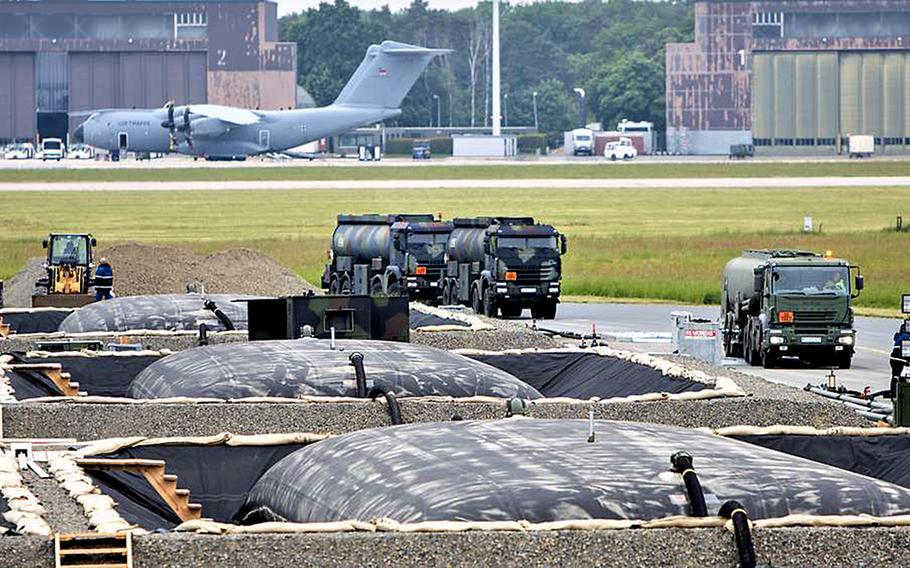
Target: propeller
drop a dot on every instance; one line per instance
(186, 126)
(170, 125)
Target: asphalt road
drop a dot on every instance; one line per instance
(647, 327)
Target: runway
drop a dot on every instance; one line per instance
(639, 324)
(425, 184)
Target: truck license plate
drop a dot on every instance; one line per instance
(528, 290)
(810, 340)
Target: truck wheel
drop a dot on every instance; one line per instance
(544, 311)
(490, 309)
(376, 288)
(346, 287)
(511, 310)
(844, 361)
(768, 360)
(613, 158)
(334, 288)
(395, 288)
(476, 301)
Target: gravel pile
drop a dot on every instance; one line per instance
(509, 334)
(146, 269)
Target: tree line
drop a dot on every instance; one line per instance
(613, 49)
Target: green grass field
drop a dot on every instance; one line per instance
(528, 170)
(662, 244)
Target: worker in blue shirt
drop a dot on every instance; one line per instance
(104, 281)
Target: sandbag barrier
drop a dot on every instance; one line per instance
(473, 322)
(25, 511)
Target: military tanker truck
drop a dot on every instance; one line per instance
(789, 303)
(396, 255)
(504, 264)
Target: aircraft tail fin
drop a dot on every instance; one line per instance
(386, 74)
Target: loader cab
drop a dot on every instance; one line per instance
(69, 249)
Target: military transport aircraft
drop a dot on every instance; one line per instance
(374, 93)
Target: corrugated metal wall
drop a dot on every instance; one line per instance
(17, 96)
(806, 99)
(141, 80)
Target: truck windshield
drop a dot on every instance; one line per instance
(69, 249)
(427, 246)
(811, 280)
(526, 242)
(51, 145)
(583, 138)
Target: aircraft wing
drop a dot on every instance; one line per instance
(231, 115)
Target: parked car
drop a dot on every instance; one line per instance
(621, 150)
(81, 152)
(23, 151)
(421, 150)
(742, 151)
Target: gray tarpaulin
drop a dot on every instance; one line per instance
(163, 312)
(546, 470)
(309, 367)
(38, 320)
(583, 375)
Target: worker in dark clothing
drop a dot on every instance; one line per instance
(104, 281)
(897, 361)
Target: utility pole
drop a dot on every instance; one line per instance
(534, 101)
(438, 115)
(497, 127)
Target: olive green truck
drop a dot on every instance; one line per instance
(789, 303)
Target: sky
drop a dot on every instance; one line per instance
(289, 6)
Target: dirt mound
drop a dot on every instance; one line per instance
(146, 269)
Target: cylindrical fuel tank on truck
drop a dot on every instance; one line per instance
(739, 275)
(361, 241)
(466, 239)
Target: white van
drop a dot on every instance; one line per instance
(52, 149)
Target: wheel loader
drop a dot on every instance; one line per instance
(69, 270)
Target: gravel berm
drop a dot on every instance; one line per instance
(141, 269)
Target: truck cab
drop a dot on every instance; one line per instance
(582, 142)
(799, 306)
(418, 254)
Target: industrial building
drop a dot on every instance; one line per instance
(791, 77)
(61, 57)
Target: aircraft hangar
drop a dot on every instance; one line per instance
(791, 77)
(61, 57)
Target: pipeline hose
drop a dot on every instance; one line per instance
(222, 317)
(360, 376)
(734, 511)
(682, 464)
(392, 401)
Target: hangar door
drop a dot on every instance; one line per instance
(807, 99)
(17, 96)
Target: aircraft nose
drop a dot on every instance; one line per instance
(79, 134)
